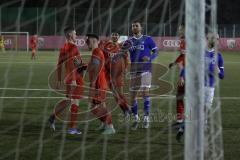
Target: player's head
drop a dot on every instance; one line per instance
(70, 34)
(136, 27)
(181, 31)
(114, 37)
(212, 40)
(92, 41)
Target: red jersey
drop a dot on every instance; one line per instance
(182, 49)
(100, 82)
(102, 43)
(33, 42)
(180, 59)
(67, 55)
(111, 50)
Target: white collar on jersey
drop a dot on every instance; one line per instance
(211, 50)
(138, 37)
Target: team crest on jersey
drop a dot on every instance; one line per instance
(137, 47)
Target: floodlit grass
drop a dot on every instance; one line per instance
(24, 129)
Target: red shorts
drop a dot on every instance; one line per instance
(115, 76)
(98, 94)
(180, 90)
(75, 89)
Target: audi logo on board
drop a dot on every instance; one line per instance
(171, 43)
(80, 42)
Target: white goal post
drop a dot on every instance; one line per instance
(17, 40)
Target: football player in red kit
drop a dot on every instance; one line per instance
(72, 79)
(116, 65)
(33, 43)
(180, 61)
(98, 84)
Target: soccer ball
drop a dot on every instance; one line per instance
(126, 45)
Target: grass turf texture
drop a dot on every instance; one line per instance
(24, 130)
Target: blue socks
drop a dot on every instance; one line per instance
(135, 108)
(146, 105)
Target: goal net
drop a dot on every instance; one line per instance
(27, 100)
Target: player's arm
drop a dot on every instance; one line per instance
(153, 48)
(220, 66)
(78, 62)
(81, 67)
(61, 59)
(93, 68)
(182, 75)
(179, 60)
(154, 51)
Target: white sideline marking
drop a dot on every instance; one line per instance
(37, 89)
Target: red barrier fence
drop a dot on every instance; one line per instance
(55, 42)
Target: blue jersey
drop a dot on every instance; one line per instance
(210, 67)
(141, 47)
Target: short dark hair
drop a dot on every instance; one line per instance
(92, 35)
(68, 30)
(137, 21)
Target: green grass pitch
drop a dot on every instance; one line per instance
(25, 133)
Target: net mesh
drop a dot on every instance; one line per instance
(27, 97)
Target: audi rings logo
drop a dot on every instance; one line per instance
(231, 43)
(80, 42)
(40, 42)
(171, 43)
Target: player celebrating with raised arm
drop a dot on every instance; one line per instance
(142, 53)
(116, 61)
(98, 84)
(33, 42)
(72, 79)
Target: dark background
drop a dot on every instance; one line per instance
(159, 21)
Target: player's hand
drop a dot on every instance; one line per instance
(125, 71)
(76, 62)
(59, 84)
(181, 81)
(146, 59)
(171, 65)
(82, 68)
(217, 69)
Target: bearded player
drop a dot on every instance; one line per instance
(142, 53)
(116, 61)
(72, 80)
